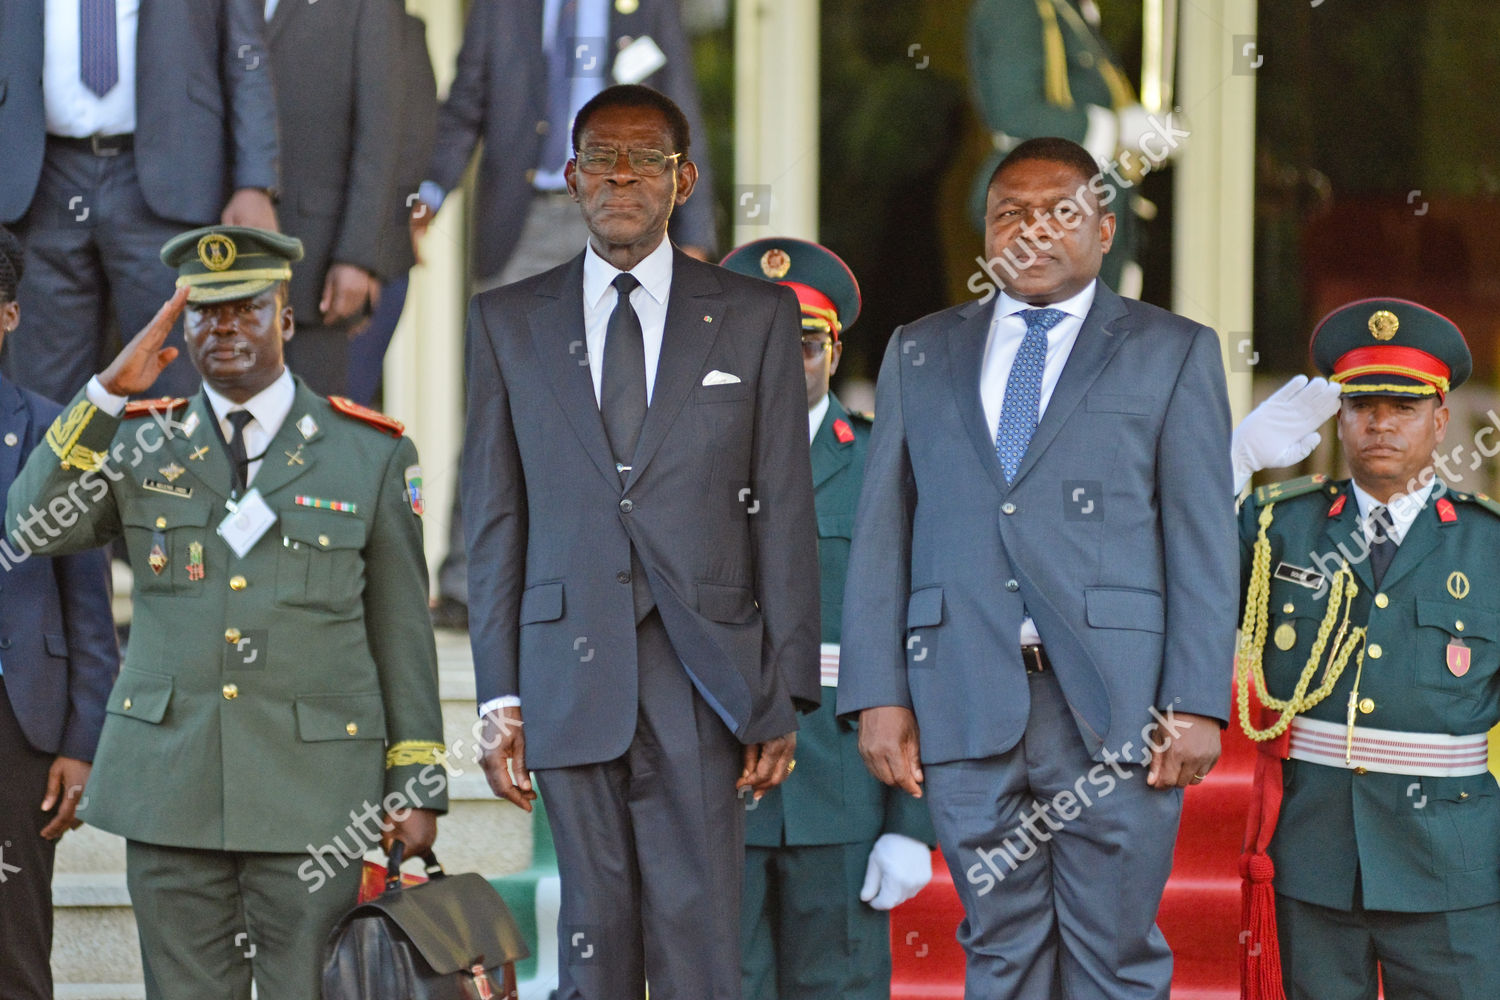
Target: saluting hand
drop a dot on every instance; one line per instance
(139, 362)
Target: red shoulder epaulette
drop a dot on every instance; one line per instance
(843, 431)
(145, 407)
(374, 418)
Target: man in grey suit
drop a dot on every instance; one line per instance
(1051, 605)
(125, 122)
(641, 531)
(338, 103)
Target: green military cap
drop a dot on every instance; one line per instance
(223, 263)
(823, 282)
(1391, 347)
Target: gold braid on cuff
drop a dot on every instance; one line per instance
(414, 752)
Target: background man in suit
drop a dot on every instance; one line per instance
(829, 854)
(57, 660)
(1035, 604)
(1385, 854)
(124, 122)
(338, 103)
(525, 69)
(641, 530)
(280, 689)
(417, 106)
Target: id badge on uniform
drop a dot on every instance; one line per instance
(249, 518)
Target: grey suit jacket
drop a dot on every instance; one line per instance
(205, 113)
(1117, 536)
(417, 107)
(338, 101)
(719, 507)
(499, 97)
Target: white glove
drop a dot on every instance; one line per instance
(1283, 429)
(898, 869)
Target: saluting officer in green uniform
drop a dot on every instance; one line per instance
(832, 850)
(1368, 670)
(280, 690)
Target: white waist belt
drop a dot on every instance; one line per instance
(829, 663)
(1435, 755)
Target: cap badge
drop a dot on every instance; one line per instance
(775, 263)
(217, 252)
(1383, 325)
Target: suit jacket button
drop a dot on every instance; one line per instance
(623, 576)
(543, 127)
(237, 582)
(1012, 586)
(1007, 508)
(231, 692)
(627, 505)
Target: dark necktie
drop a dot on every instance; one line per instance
(560, 60)
(622, 393)
(98, 47)
(1023, 390)
(238, 456)
(1382, 544)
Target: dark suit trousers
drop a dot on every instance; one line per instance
(25, 864)
(92, 251)
(1063, 906)
(650, 849)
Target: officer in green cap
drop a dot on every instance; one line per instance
(1368, 661)
(832, 850)
(277, 713)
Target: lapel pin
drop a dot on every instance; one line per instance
(171, 471)
(197, 454)
(294, 457)
(308, 426)
(708, 319)
(190, 424)
(11, 439)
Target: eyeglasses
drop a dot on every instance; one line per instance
(602, 159)
(812, 347)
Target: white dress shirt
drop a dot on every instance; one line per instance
(73, 110)
(1400, 512)
(815, 417)
(269, 408)
(599, 297)
(1007, 329)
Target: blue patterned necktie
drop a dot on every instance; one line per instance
(1023, 390)
(98, 48)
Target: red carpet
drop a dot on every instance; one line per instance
(1200, 912)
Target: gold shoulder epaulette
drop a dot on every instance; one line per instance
(1272, 492)
(374, 418)
(145, 407)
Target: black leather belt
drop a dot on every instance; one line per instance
(99, 145)
(1035, 659)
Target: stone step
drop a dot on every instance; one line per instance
(99, 991)
(94, 938)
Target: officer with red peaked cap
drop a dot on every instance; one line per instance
(1369, 673)
(832, 850)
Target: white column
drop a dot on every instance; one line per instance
(424, 366)
(776, 120)
(1215, 181)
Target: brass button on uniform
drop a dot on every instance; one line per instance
(1361, 770)
(1381, 600)
(1463, 795)
(231, 692)
(231, 635)
(1375, 651)
(323, 541)
(1459, 624)
(351, 729)
(237, 582)
(1288, 608)
(161, 522)
(1367, 705)
(126, 705)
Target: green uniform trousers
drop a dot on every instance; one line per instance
(804, 933)
(1329, 954)
(210, 920)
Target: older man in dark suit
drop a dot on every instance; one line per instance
(57, 661)
(642, 537)
(125, 122)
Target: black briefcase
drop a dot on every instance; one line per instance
(450, 938)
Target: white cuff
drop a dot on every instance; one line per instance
(103, 398)
(1103, 133)
(494, 704)
(432, 194)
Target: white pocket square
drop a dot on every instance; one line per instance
(717, 377)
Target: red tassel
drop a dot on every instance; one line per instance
(1260, 949)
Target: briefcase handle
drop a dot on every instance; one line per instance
(396, 857)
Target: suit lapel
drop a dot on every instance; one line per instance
(830, 456)
(966, 343)
(1097, 342)
(695, 314)
(287, 457)
(557, 330)
(14, 425)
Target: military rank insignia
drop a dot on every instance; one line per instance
(843, 431)
(414, 489)
(195, 561)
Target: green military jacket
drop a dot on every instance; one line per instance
(833, 798)
(262, 698)
(1406, 843)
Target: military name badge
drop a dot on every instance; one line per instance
(1457, 657)
(1311, 579)
(414, 489)
(195, 561)
(157, 486)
